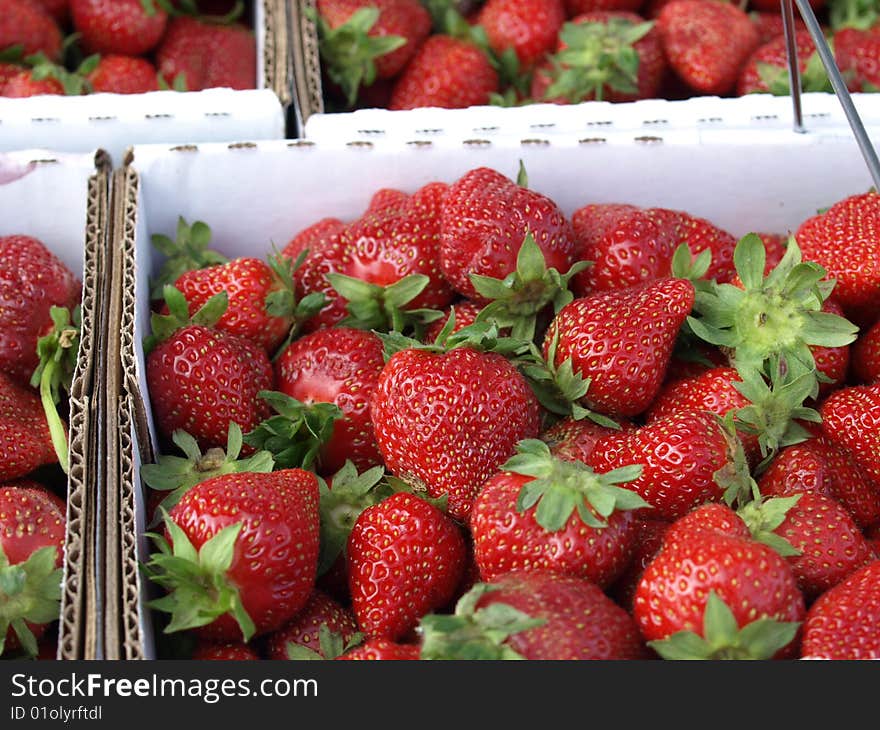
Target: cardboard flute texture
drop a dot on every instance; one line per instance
(63, 200)
(257, 195)
(113, 122)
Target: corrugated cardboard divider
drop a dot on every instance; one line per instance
(308, 87)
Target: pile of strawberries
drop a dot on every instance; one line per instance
(39, 320)
(403, 54)
(468, 426)
(73, 47)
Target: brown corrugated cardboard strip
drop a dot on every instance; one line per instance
(308, 92)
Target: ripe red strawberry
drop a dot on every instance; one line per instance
(818, 467)
(769, 24)
(622, 340)
(707, 42)
(851, 421)
(200, 378)
(239, 554)
(866, 355)
(767, 68)
(321, 617)
(32, 529)
(228, 652)
(24, 85)
(832, 362)
(445, 422)
(485, 219)
(844, 240)
(8, 71)
(405, 558)
(32, 280)
(58, 9)
(26, 24)
(529, 27)
(340, 365)
(445, 72)
(25, 440)
(535, 615)
(123, 75)
(842, 623)
(205, 55)
(593, 60)
(702, 570)
(381, 650)
(857, 51)
(126, 27)
(649, 540)
(687, 459)
(555, 515)
(574, 440)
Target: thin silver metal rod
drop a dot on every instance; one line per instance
(794, 72)
(843, 96)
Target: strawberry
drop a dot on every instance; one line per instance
(769, 24)
(851, 421)
(535, 615)
(25, 440)
(465, 313)
(737, 595)
(818, 467)
(706, 42)
(621, 341)
(341, 366)
(197, 54)
(445, 421)
(866, 355)
(767, 68)
(528, 27)
(239, 554)
(844, 241)
(406, 558)
(8, 71)
(228, 652)
(200, 379)
(688, 458)
(381, 650)
(321, 630)
(842, 623)
(22, 23)
(58, 9)
(123, 75)
(25, 84)
(445, 72)
(555, 515)
(125, 27)
(649, 539)
(857, 52)
(362, 41)
(32, 280)
(32, 529)
(575, 440)
(484, 222)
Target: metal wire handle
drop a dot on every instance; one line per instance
(837, 83)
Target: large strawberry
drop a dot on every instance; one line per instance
(25, 440)
(127, 27)
(32, 527)
(322, 629)
(200, 379)
(446, 72)
(738, 596)
(405, 558)
(866, 355)
(767, 68)
(707, 42)
(535, 615)
(445, 421)
(541, 512)
(239, 554)
(851, 421)
(117, 74)
(857, 52)
(842, 623)
(22, 23)
(621, 341)
(528, 27)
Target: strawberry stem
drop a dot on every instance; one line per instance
(57, 431)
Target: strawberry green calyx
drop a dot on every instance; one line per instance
(340, 507)
(516, 300)
(74, 83)
(596, 57)
(331, 643)
(774, 317)
(763, 516)
(187, 252)
(375, 307)
(295, 435)
(178, 474)
(859, 14)
(723, 638)
(58, 352)
(560, 488)
(734, 477)
(473, 633)
(813, 78)
(165, 325)
(694, 268)
(281, 302)
(30, 592)
(198, 588)
(349, 53)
